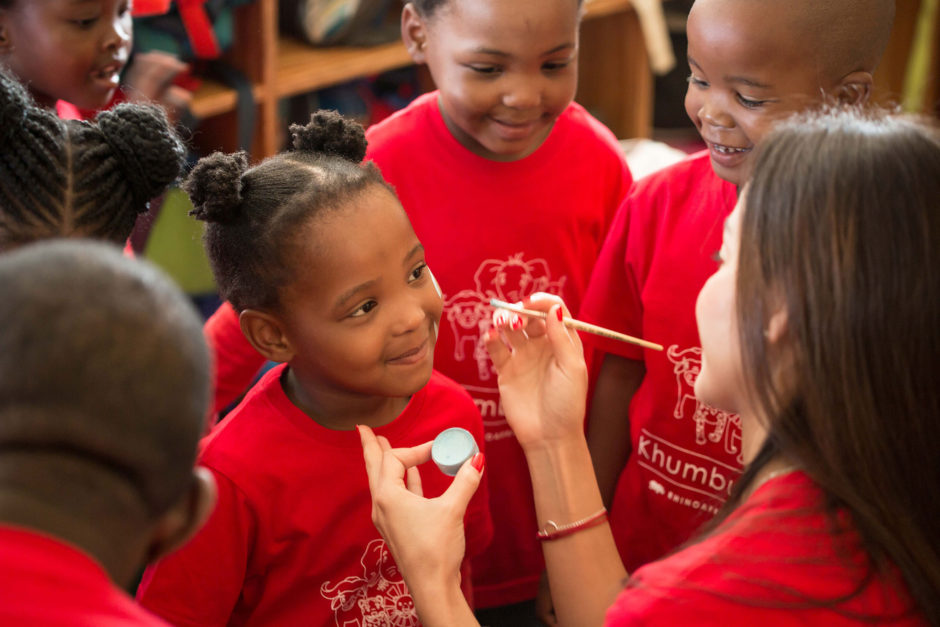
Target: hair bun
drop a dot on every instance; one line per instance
(330, 133)
(215, 186)
(14, 105)
(151, 154)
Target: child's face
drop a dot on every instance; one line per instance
(505, 70)
(362, 314)
(749, 69)
(71, 50)
(720, 381)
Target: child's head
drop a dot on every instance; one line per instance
(66, 50)
(78, 179)
(833, 314)
(755, 61)
(505, 70)
(104, 387)
(315, 251)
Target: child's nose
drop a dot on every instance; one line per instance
(118, 34)
(411, 315)
(713, 114)
(524, 93)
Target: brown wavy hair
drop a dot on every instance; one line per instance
(842, 229)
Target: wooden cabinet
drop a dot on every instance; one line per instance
(615, 81)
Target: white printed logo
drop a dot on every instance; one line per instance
(468, 312)
(710, 423)
(378, 597)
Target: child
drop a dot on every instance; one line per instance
(71, 56)
(79, 179)
(827, 273)
(104, 380)
(317, 255)
(666, 465)
(502, 161)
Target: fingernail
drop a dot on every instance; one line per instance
(559, 314)
(516, 323)
(477, 462)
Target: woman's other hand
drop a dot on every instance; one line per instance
(425, 536)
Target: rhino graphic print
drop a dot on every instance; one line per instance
(710, 424)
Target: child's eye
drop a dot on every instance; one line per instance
(418, 272)
(749, 103)
(486, 70)
(364, 308)
(85, 23)
(555, 66)
(696, 81)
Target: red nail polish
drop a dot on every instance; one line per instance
(477, 462)
(516, 323)
(558, 312)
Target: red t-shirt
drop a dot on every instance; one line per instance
(45, 582)
(291, 540)
(685, 455)
(235, 362)
(503, 230)
(766, 565)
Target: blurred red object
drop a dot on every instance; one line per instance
(143, 8)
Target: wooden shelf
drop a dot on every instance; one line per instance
(615, 81)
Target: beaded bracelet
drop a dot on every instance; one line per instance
(560, 531)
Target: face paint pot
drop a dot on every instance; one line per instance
(451, 448)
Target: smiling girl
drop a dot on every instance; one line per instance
(316, 254)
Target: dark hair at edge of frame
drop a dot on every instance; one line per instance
(79, 179)
(428, 8)
(104, 372)
(256, 214)
(851, 249)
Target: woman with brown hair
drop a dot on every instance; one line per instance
(820, 328)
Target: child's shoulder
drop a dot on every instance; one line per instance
(689, 179)
(405, 121)
(442, 387)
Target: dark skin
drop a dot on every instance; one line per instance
(116, 531)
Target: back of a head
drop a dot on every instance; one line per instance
(842, 222)
(103, 377)
(79, 179)
(255, 214)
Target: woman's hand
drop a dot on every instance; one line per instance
(425, 536)
(542, 375)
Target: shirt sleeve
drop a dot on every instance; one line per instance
(612, 299)
(199, 584)
(236, 362)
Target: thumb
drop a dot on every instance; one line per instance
(465, 484)
(565, 342)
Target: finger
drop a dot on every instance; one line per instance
(371, 451)
(413, 456)
(566, 344)
(383, 442)
(499, 352)
(465, 484)
(413, 481)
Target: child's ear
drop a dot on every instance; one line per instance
(854, 88)
(185, 518)
(414, 33)
(266, 334)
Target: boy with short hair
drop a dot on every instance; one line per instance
(666, 462)
(103, 392)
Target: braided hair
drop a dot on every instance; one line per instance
(255, 214)
(79, 179)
